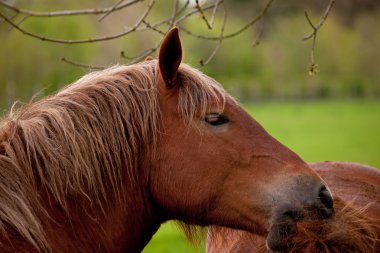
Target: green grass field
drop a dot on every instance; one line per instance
(317, 131)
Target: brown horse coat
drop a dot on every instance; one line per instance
(355, 227)
(100, 165)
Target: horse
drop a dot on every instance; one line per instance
(355, 227)
(102, 163)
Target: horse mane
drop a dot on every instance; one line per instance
(350, 230)
(86, 141)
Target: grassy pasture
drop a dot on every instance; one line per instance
(317, 131)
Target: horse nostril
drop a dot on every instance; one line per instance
(325, 197)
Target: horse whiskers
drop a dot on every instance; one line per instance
(350, 229)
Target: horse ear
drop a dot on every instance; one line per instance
(170, 57)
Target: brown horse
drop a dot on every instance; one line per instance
(355, 227)
(100, 165)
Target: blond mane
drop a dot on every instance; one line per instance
(82, 141)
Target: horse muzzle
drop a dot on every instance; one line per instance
(313, 203)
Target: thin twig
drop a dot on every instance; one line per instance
(174, 14)
(321, 22)
(142, 54)
(104, 38)
(171, 21)
(183, 7)
(141, 25)
(68, 12)
(77, 64)
(214, 11)
(191, 13)
(19, 23)
(111, 10)
(153, 27)
(256, 42)
(245, 27)
(212, 55)
(314, 69)
(12, 17)
(200, 10)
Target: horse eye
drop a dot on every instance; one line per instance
(216, 119)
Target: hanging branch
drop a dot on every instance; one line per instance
(195, 11)
(11, 18)
(81, 65)
(178, 16)
(172, 20)
(68, 12)
(111, 10)
(217, 3)
(63, 41)
(234, 34)
(256, 41)
(141, 55)
(212, 55)
(314, 66)
(200, 10)
(151, 50)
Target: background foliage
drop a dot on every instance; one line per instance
(347, 49)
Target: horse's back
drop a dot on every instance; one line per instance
(354, 183)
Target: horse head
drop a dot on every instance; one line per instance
(217, 165)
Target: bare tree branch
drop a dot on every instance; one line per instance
(321, 22)
(161, 27)
(18, 23)
(214, 11)
(111, 10)
(314, 69)
(152, 27)
(11, 18)
(68, 12)
(195, 11)
(184, 7)
(171, 22)
(256, 41)
(212, 55)
(105, 38)
(81, 65)
(141, 55)
(174, 14)
(245, 27)
(200, 10)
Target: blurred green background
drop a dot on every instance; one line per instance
(334, 115)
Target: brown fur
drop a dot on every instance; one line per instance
(100, 165)
(41, 139)
(355, 227)
(351, 230)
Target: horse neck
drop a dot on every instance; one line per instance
(128, 224)
(117, 226)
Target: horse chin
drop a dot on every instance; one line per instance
(280, 233)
